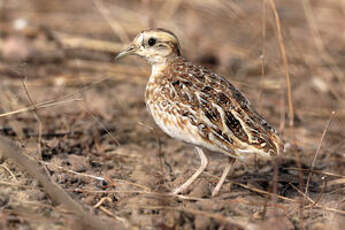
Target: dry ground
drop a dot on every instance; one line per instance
(94, 122)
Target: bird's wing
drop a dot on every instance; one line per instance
(220, 111)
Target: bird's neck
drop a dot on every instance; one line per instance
(158, 67)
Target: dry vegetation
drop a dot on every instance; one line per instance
(82, 131)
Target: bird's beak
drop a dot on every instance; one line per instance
(131, 49)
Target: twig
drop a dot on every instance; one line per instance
(321, 192)
(101, 201)
(318, 172)
(42, 105)
(300, 192)
(37, 117)
(318, 150)
(314, 204)
(109, 213)
(92, 176)
(9, 171)
(263, 53)
(16, 185)
(182, 197)
(276, 162)
(289, 95)
(251, 188)
(103, 126)
(73, 172)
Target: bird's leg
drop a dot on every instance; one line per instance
(228, 169)
(202, 167)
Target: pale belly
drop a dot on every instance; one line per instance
(175, 125)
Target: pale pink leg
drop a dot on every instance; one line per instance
(202, 167)
(228, 169)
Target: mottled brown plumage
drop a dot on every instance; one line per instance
(195, 105)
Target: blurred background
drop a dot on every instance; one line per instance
(57, 57)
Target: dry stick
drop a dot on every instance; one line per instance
(285, 61)
(318, 172)
(289, 94)
(41, 105)
(314, 204)
(276, 162)
(102, 125)
(37, 117)
(105, 129)
(9, 171)
(262, 57)
(155, 194)
(318, 151)
(321, 192)
(252, 188)
(56, 101)
(109, 213)
(92, 176)
(15, 185)
(11, 151)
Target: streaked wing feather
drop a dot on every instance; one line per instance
(224, 115)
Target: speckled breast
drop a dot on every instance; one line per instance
(166, 115)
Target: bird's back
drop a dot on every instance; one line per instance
(193, 104)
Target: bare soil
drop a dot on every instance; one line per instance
(85, 116)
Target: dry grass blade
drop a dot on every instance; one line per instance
(103, 126)
(16, 185)
(92, 176)
(262, 57)
(145, 192)
(9, 172)
(251, 188)
(285, 61)
(41, 105)
(337, 182)
(318, 172)
(109, 213)
(318, 151)
(37, 117)
(57, 101)
(314, 203)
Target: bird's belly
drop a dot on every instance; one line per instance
(175, 125)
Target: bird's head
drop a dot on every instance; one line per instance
(157, 46)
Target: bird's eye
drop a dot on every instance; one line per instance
(151, 41)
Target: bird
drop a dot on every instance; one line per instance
(193, 104)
